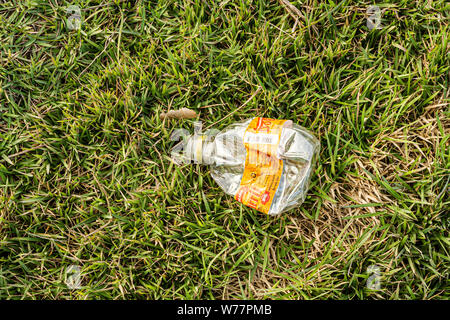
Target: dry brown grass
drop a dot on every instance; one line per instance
(409, 152)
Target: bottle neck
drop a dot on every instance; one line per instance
(200, 149)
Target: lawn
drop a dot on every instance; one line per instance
(86, 178)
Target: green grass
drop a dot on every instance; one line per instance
(85, 171)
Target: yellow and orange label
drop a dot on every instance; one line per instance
(263, 169)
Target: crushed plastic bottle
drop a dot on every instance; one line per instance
(264, 163)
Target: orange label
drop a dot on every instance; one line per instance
(262, 170)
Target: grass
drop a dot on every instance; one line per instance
(86, 178)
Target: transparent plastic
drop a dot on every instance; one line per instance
(225, 153)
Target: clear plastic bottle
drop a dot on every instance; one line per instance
(264, 163)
